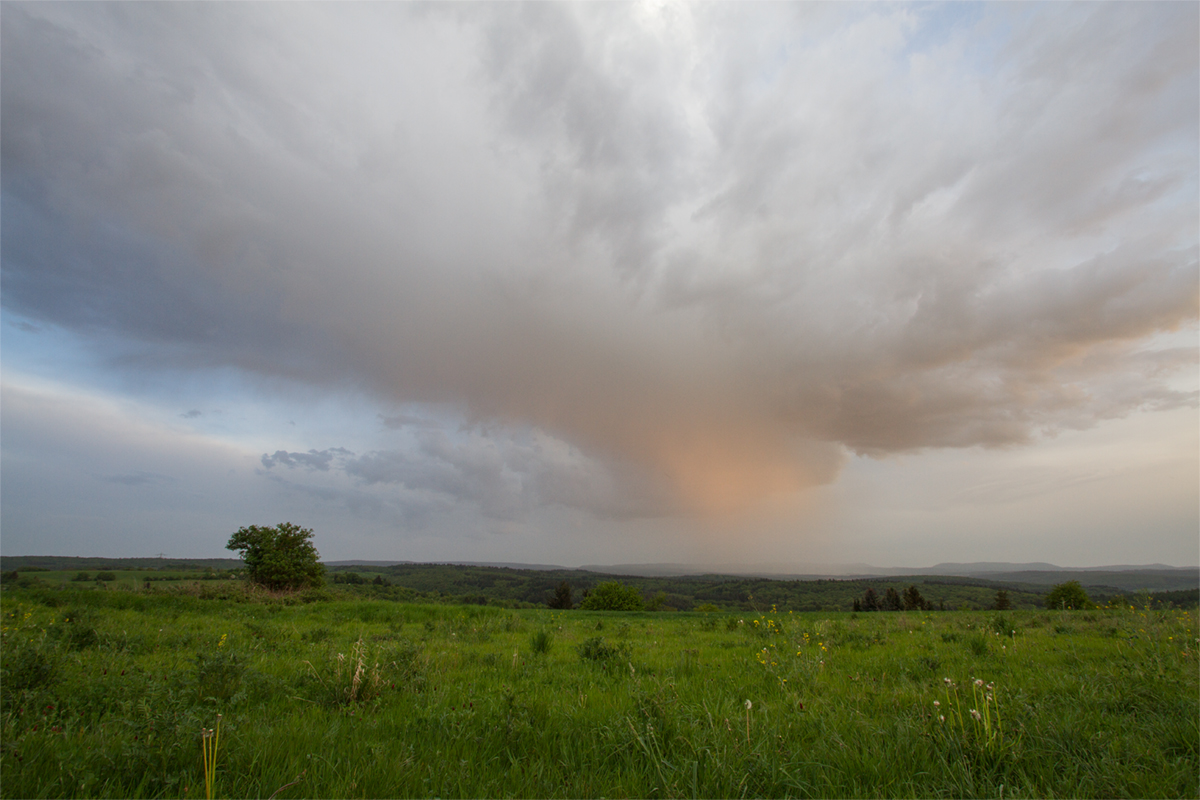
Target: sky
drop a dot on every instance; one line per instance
(785, 284)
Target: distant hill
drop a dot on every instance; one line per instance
(682, 586)
(58, 563)
(507, 564)
(1128, 578)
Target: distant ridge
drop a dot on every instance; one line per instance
(810, 571)
(1111, 579)
(502, 564)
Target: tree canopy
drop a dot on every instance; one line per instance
(1068, 595)
(562, 597)
(282, 557)
(612, 596)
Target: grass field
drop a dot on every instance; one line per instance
(105, 694)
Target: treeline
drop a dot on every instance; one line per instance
(911, 600)
(527, 588)
(520, 588)
(73, 563)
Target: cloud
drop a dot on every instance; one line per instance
(312, 460)
(713, 249)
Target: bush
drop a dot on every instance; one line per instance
(1069, 595)
(612, 596)
(105, 576)
(282, 557)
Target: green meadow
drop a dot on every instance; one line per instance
(110, 693)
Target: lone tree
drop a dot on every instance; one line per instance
(1068, 595)
(612, 596)
(913, 600)
(870, 601)
(1002, 602)
(562, 597)
(891, 600)
(282, 557)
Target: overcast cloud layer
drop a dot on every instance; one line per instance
(663, 260)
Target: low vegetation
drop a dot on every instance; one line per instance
(120, 693)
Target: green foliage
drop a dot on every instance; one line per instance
(562, 598)
(612, 596)
(105, 576)
(658, 602)
(364, 673)
(596, 651)
(82, 576)
(913, 601)
(29, 666)
(1110, 710)
(1069, 595)
(218, 675)
(282, 557)
(1002, 602)
(541, 641)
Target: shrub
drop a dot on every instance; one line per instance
(1069, 595)
(612, 596)
(106, 576)
(282, 557)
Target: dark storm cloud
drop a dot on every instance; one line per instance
(713, 247)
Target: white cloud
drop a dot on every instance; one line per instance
(660, 259)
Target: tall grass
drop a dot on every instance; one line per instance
(106, 698)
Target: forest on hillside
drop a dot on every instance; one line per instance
(530, 588)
